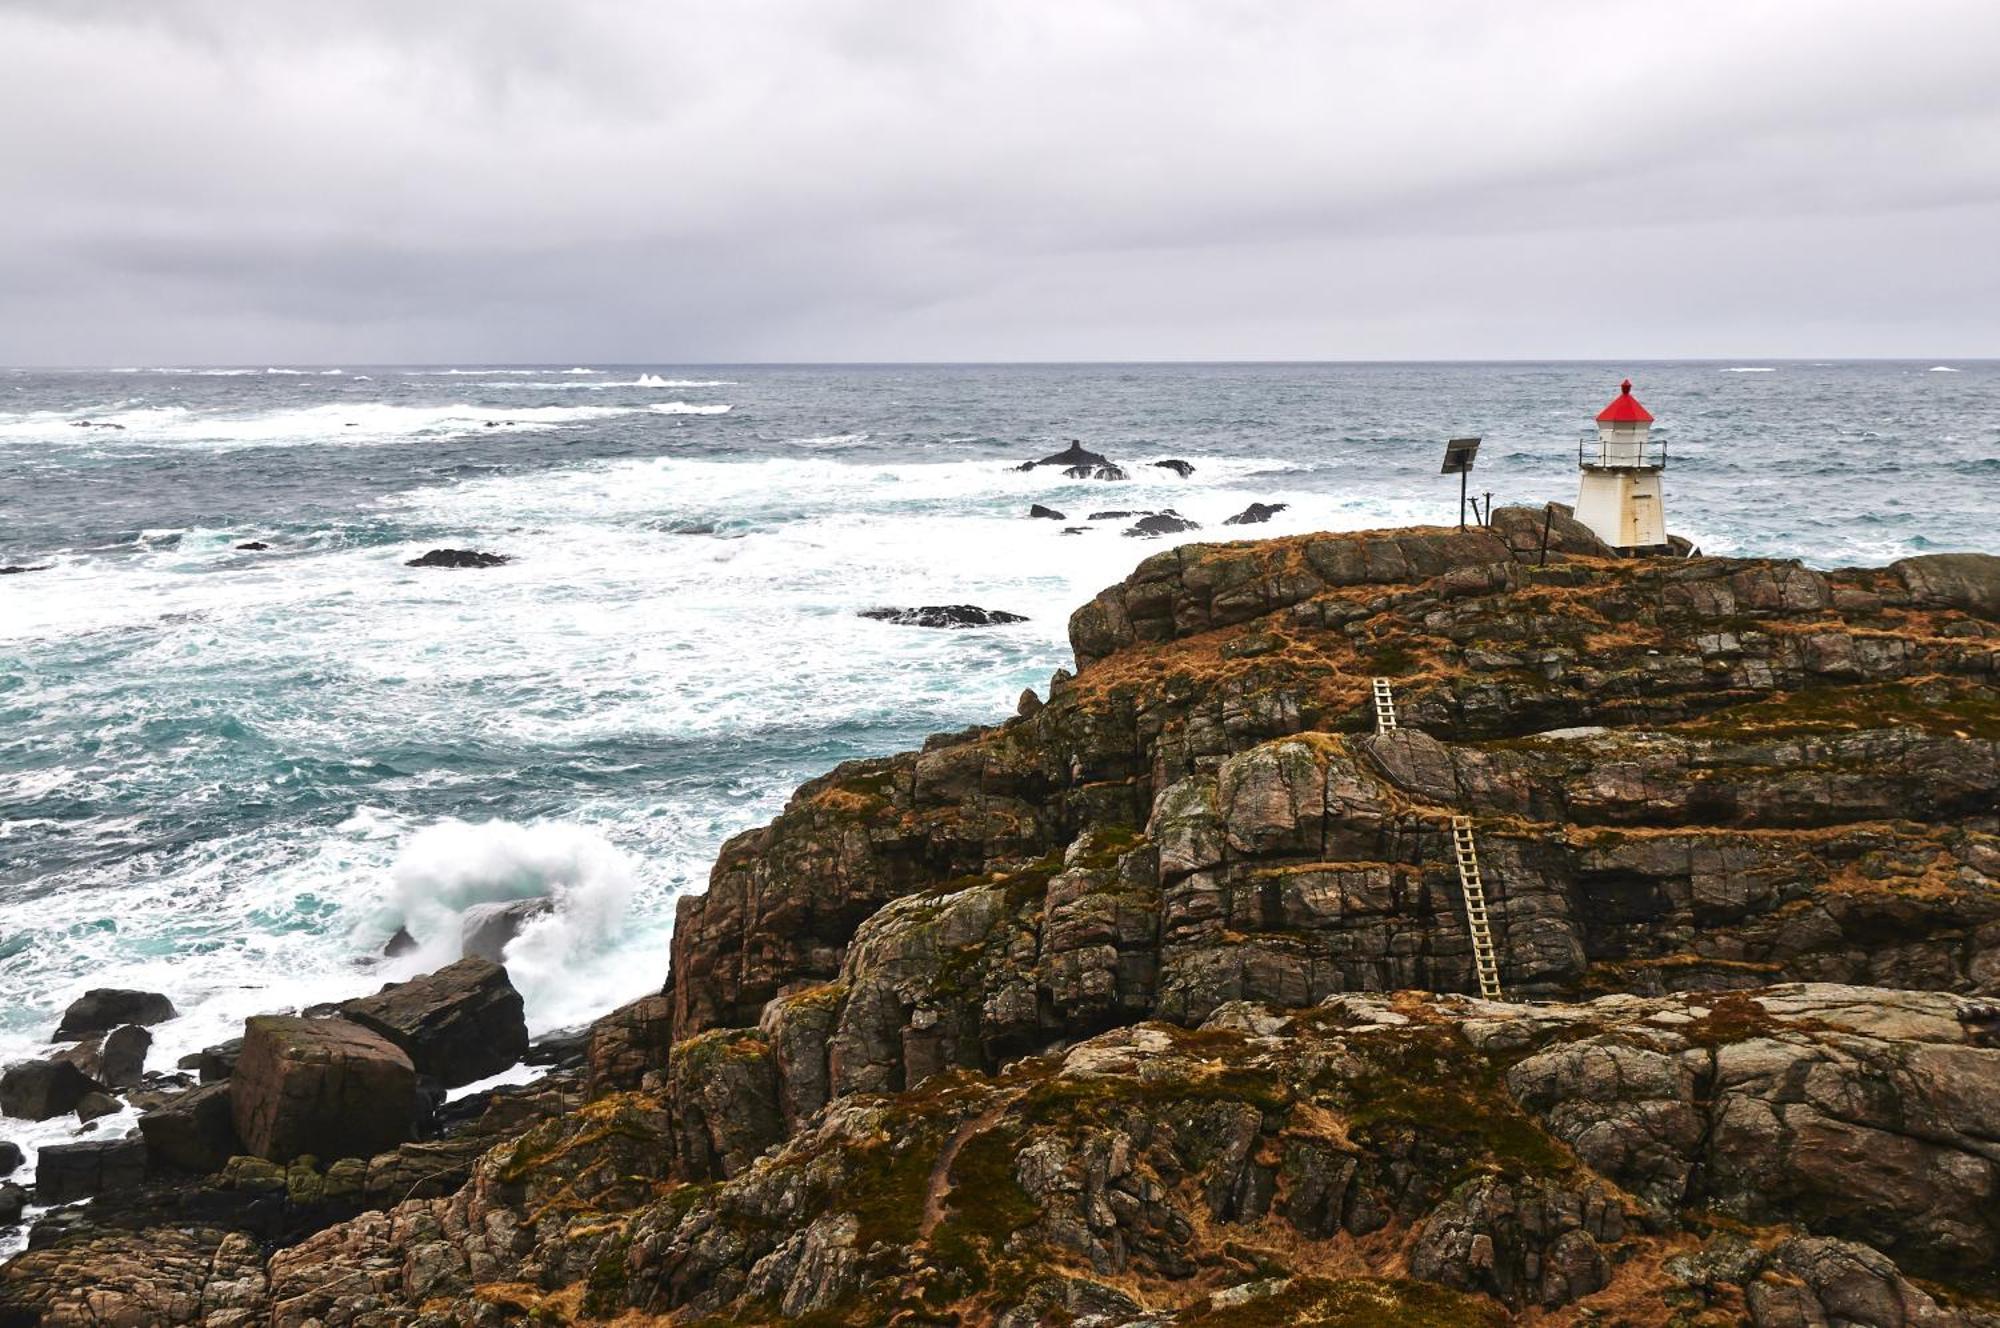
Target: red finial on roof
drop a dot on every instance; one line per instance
(1624, 408)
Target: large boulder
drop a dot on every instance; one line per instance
(1524, 529)
(456, 1025)
(328, 1087)
(38, 1090)
(102, 1009)
(213, 1064)
(193, 1132)
(65, 1173)
(1968, 581)
(10, 1157)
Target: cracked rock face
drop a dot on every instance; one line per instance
(1145, 1006)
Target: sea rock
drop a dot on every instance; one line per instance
(1256, 514)
(38, 1090)
(1072, 457)
(252, 546)
(461, 1023)
(944, 615)
(212, 1064)
(13, 1202)
(485, 929)
(10, 1157)
(1106, 471)
(1046, 513)
(192, 1132)
(14, 570)
(400, 942)
(459, 558)
(328, 1087)
(102, 1009)
(91, 1106)
(1180, 468)
(116, 1059)
(1161, 523)
(65, 1173)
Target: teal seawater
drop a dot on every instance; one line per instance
(229, 775)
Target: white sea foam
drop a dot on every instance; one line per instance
(584, 385)
(687, 408)
(1941, 368)
(356, 422)
(1751, 368)
(580, 370)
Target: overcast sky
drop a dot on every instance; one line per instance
(436, 180)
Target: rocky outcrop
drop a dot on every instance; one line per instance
(486, 929)
(1141, 1007)
(116, 1059)
(1045, 513)
(1168, 522)
(102, 1009)
(944, 615)
(325, 1087)
(68, 1172)
(1179, 467)
(461, 1023)
(192, 1132)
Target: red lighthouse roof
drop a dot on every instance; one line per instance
(1624, 408)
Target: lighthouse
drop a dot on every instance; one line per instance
(1619, 498)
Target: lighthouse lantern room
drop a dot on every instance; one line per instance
(1619, 498)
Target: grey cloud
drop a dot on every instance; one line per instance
(220, 181)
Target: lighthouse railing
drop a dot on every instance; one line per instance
(1595, 452)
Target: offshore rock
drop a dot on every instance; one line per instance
(457, 558)
(1168, 522)
(944, 615)
(1256, 514)
(1179, 467)
(461, 1023)
(487, 928)
(326, 1087)
(1046, 513)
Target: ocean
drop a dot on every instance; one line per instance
(230, 775)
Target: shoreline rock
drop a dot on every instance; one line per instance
(944, 616)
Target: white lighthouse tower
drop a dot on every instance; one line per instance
(1620, 494)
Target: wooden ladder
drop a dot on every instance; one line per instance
(1484, 961)
(1385, 706)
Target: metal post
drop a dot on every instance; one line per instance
(1463, 476)
(1487, 520)
(1548, 519)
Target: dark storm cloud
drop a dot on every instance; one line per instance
(921, 180)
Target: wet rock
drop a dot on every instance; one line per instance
(1103, 472)
(117, 1059)
(400, 942)
(328, 1087)
(91, 1106)
(459, 558)
(252, 546)
(461, 1023)
(16, 569)
(1179, 467)
(10, 1157)
(1046, 513)
(1256, 514)
(193, 1132)
(13, 1202)
(38, 1090)
(213, 1064)
(65, 1173)
(944, 615)
(1168, 522)
(104, 1008)
(487, 928)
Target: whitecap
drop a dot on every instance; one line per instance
(580, 370)
(1751, 368)
(687, 408)
(1942, 368)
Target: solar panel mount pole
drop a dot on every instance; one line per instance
(1463, 476)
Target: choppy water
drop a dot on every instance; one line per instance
(229, 775)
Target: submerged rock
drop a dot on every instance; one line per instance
(102, 1009)
(1046, 513)
(1256, 514)
(944, 615)
(1105, 471)
(252, 546)
(485, 929)
(14, 570)
(1179, 467)
(459, 558)
(1076, 454)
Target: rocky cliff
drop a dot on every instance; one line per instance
(1147, 1006)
